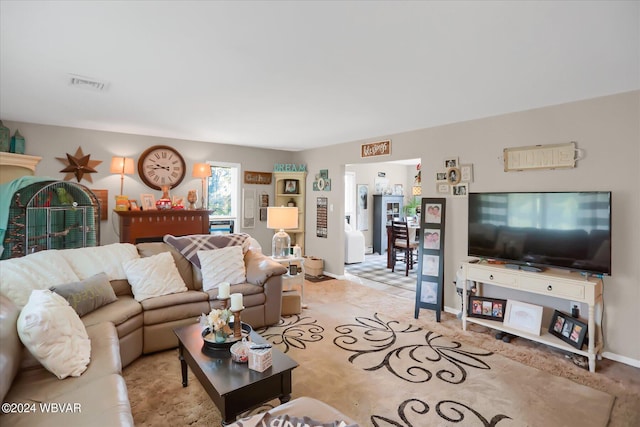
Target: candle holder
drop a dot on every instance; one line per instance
(237, 324)
(225, 302)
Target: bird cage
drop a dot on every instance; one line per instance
(51, 215)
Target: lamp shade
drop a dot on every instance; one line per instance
(282, 218)
(123, 165)
(201, 170)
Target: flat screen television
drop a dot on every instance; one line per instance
(570, 230)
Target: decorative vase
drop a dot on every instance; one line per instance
(220, 336)
(17, 143)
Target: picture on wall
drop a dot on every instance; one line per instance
(430, 265)
(362, 220)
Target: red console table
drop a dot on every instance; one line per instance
(136, 226)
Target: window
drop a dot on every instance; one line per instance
(222, 190)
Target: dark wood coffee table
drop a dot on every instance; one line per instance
(233, 387)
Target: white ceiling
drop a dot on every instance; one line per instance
(296, 75)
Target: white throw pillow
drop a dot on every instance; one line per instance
(53, 332)
(154, 276)
(40, 270)
(222, 265)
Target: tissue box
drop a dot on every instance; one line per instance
(260, 360)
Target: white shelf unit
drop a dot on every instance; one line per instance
(282, 199)
(569, 286)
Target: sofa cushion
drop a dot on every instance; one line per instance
(118, 312)
(191, 244)
(35, 271)
(87, 295)
(10, 346)
(154, 276)
(184, 266)
(222, 265)
(260, 267)
(54, 334)
(92, 260)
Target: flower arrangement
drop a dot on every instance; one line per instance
(218, 321)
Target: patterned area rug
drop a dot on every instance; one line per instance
(375, 268)
(370, 359)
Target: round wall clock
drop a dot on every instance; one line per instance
(161, 165)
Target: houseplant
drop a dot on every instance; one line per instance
(411, 206)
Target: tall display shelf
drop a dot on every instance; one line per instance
(284, 198)
(385, 210)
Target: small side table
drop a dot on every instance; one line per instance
(289, 280)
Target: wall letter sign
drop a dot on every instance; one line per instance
(373, 149)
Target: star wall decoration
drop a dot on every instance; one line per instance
(78, 165)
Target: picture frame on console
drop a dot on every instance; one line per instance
(569, 329)
(148, 201)
(487, 308)
(523, 316)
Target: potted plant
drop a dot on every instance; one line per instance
(411, 206)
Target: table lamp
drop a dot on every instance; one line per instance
(281, 218)
(203, 171)
(123, 166)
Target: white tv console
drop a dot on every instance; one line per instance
(570, 286)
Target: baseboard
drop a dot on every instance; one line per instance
(622, 359)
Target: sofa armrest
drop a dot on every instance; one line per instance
(273, 303)
(261, 267)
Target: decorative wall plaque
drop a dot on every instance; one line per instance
(554, 156)
(251, 177)
(374, 149)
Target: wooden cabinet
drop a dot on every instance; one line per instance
(286, 195)
(139, 226)
(385, 210)
(563, 285)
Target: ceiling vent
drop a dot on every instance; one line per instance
(88, 83)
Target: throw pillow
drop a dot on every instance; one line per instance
(222, 265)
(54, 334)
(87, 295)
(190, 245)
(154, 276)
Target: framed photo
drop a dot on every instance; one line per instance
(523, 317)
(397, 190)
(430, 286)
(133, 205)
(443, 188)
(433, 214)
(362, 208)
(453, 176)
(568, 329)
(487, 308)
(441, 176)
(291, 186)
(466, 173)
(293, 270)
(431, 239)
(451, 162)
(460, 190)
(148, 202)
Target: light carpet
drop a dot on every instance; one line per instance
(362, 352)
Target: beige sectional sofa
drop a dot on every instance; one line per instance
(120, 331)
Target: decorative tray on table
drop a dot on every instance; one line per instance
(210, 343)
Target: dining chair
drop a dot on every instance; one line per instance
(402, 243)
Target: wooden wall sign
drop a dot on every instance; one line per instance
(374, 149)
(251, 177)
(555, 156)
